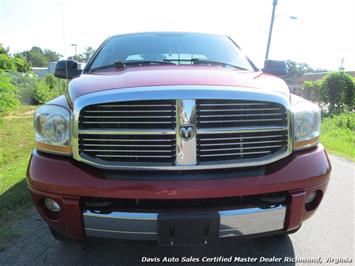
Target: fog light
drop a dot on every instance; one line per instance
(311, 197)
(51, 205)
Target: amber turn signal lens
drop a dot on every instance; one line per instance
(303, 144)
(53, 148)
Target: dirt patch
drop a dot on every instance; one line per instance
(20, 115)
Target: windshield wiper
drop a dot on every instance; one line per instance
(121, 65)
(197, 61)
(142, 63)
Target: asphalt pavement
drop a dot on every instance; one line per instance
(327, 238)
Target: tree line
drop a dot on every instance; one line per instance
(36, 57)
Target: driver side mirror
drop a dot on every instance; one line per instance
(277, 68)
(67, 69)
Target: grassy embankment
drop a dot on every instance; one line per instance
(16, 143)
(338, 135)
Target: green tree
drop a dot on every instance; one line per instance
(89, 51)
(7, 63)
(13, 63)
(338, 90)
(40, 58)
(4, 50)
(51, 55)
(22, 65)
(85, 56)
(296, 70)
(36, 57)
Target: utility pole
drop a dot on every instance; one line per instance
(274, 4)
(341, 68)
(76, 46)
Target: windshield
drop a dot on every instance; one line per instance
(178, 48)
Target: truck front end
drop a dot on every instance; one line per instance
(176, 152)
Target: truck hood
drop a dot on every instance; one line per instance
(174, 75)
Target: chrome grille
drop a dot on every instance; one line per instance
(121, 129)
(236, 113)
(137, 114)
(129, 148)
(237, 146)
(128, 132)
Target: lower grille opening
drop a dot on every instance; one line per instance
(107, 205)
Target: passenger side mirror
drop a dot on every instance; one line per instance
(67, 69)
(277, 68)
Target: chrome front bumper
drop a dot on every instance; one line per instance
(144, 226)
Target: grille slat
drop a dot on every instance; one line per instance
(246, 142)
(127, 111)
(237, 115)
(132, 156)
(238, 121)
(253, 137)
(136, 117)
(241, 148)
(126, 122)
(232, 104)
(122, 145)
(128, 140)
(127, 131)
(240, 110)
(126, 151)
(152, 105)
(233, 154)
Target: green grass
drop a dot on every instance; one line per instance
(338, 135)
(16, 143)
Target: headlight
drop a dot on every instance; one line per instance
(52, 127)
(306, 117)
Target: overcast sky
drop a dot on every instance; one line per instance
(322, 35)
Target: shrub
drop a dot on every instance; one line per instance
(35, 90)
(48, 88)
(311, 90)
(21, 64)
(42, 93)
(57, 86)
(26, 84)
(7, 63)
(338, 90)
(8, 94)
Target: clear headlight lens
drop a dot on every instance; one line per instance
(307, 121)
(52, 127)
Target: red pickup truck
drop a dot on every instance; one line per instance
(176, 138)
